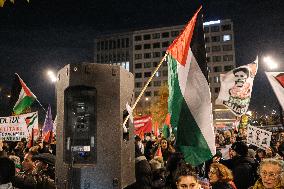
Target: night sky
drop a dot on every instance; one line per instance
(48, 34)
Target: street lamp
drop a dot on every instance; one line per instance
(51, 75)
(271, 64)
(147, 99)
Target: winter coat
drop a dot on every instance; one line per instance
(143, 174)
(244, 171)
(221, 185)
(33, 181)
(258, 185)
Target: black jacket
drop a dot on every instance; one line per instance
(244, 171)
(221, 185)
(33, 181)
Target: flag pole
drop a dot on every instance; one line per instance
(143, 90)
(41, 105)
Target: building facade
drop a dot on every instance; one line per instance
(141, 51)
(221, 58)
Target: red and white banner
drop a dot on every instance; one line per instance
(143, 125)
(14, 128)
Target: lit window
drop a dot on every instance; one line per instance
(216, 79)
(226, 37)
(127, 66)
(158, 74)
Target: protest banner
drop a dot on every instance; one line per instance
(258, 137)
(14, 128)
(143, 125)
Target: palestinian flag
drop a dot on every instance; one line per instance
(30, 120)
(189, 100)
(22, 95)
(276, 80)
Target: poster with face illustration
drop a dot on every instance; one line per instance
(236, 88)
(258, 137)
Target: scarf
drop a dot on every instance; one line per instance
(258, 185)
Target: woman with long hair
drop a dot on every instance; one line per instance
(221, 177)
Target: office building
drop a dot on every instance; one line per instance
(141, 51)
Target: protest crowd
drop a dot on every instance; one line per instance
(158, 165)
(186, 157)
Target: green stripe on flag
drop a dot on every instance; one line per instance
(189, 138)
(23, 104)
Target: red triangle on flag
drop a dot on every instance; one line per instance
(280, 79)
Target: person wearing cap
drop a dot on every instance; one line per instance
(243, 167)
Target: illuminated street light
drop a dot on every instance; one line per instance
(271, 64)
(51, 76)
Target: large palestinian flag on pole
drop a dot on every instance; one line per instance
(189, 100)
(21, 95)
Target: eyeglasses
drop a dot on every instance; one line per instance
(271, 175)
(212, 172)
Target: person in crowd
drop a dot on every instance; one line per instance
(138, 141)
(260, 154)
(38, 172)
(143, 172)
(271, 173)
(149, 149)
(251, 153)
(166, 148)
(7, 173)
(244, 168)
(174, 162)
(220, 177)
(270, 153)
(186, 177)
(159, 173)
(19, 150)
(24, 179)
